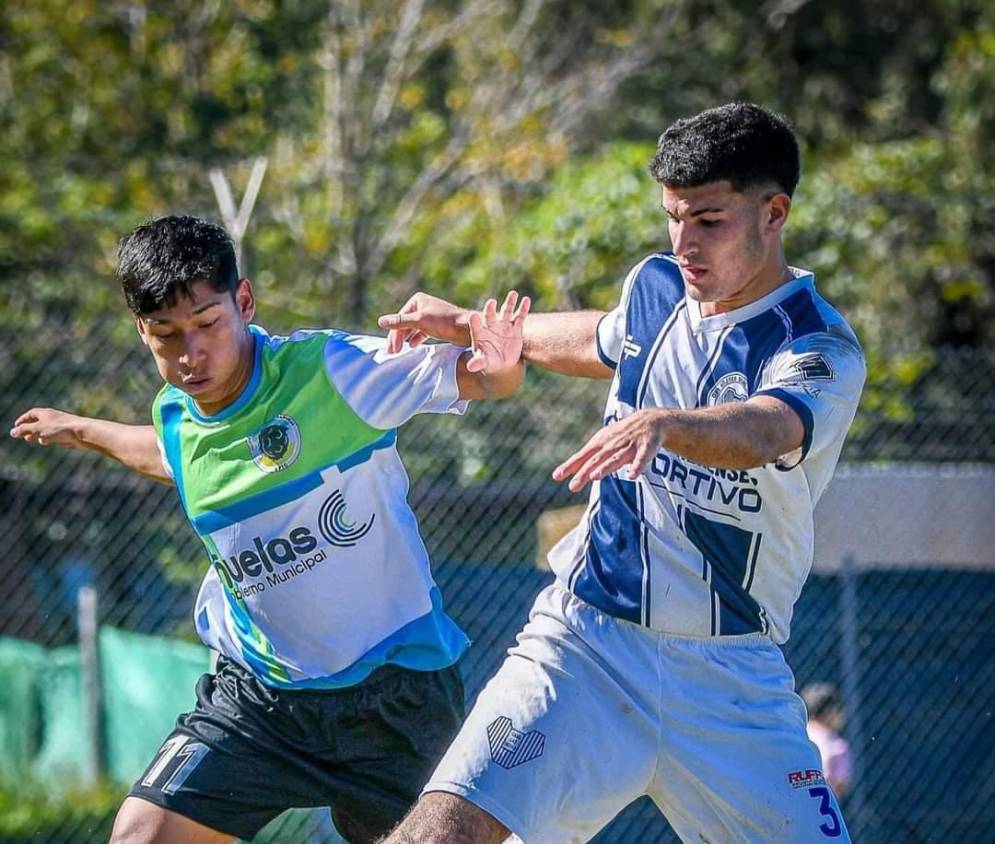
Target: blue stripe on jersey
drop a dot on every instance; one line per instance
(429, 643)
(172, 416)
(657, 290)
(731, 552)
(612, 576)
(284, 494)
(803, 312)
(745, 349)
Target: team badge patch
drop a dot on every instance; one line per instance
(511, 747)
(276, 445)
(729, 388)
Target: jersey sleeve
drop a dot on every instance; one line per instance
(820, 376)
(611, 328)
(386, 390)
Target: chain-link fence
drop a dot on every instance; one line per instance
(909, 647)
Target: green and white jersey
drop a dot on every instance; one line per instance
(318, 571)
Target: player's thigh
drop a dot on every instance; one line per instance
(442, 818)
(141, 822)
(737, 763)
(388, 738)
(562, 737)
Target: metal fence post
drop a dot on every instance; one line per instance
(92, 692)
(850, 659)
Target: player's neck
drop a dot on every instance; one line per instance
(236, 384)
(773, 275)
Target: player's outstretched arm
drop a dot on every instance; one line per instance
(561, 342)
(493, 368)
(133, 445)
(730, 436)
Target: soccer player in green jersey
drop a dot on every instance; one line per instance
(336, 682)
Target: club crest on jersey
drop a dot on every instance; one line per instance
(276, 445)
(729, 388)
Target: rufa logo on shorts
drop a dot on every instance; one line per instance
(729, 388)
(276, 445)
(511, 747)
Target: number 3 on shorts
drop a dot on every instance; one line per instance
(833, 828)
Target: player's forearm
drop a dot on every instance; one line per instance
(565, 343)
(132, 445)
(492, 385)
(734, 436)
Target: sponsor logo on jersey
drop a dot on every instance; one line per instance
(276, 445)
(714, 490)
(630, 348)
(276, 559)
(805, 779)
(729, 388)
(511, 747)
(335, 525)
(814, 367)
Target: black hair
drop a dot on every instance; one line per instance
(820, 698)
(743, 143)
(162, 259)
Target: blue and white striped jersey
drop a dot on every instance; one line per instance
(690, 549)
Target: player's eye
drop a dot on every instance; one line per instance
(711, 224)
(210, 323)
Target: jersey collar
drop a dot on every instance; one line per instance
(700, 324)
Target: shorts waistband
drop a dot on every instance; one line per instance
(736, 640)
(381, 676)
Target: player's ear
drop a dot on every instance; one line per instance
(142, 330)
(245, 300)
(776, 212)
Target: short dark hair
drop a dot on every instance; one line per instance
(163, 258)
(820, 698)
(743, 143)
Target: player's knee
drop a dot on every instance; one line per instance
(442, 818)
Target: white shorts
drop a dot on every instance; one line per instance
(589, 712)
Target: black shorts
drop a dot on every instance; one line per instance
(247, 751)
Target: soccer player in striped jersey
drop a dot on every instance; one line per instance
(337, 682)
(651, 666)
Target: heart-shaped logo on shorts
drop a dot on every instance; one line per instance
(511, 747)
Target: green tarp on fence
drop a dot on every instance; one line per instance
(146, 681)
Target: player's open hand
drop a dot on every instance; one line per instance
(496, 336)
(45, 425)
(424, 316)
(632, 441)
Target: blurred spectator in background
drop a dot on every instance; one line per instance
(825, 725)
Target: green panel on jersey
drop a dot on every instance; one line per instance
(290, 423)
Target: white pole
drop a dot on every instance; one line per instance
(853, 728)
(92, 691)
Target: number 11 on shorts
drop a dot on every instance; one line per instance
(185, 753)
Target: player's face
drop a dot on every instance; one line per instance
(727, 243)
(202, 344)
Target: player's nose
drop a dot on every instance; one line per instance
(682, 241)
